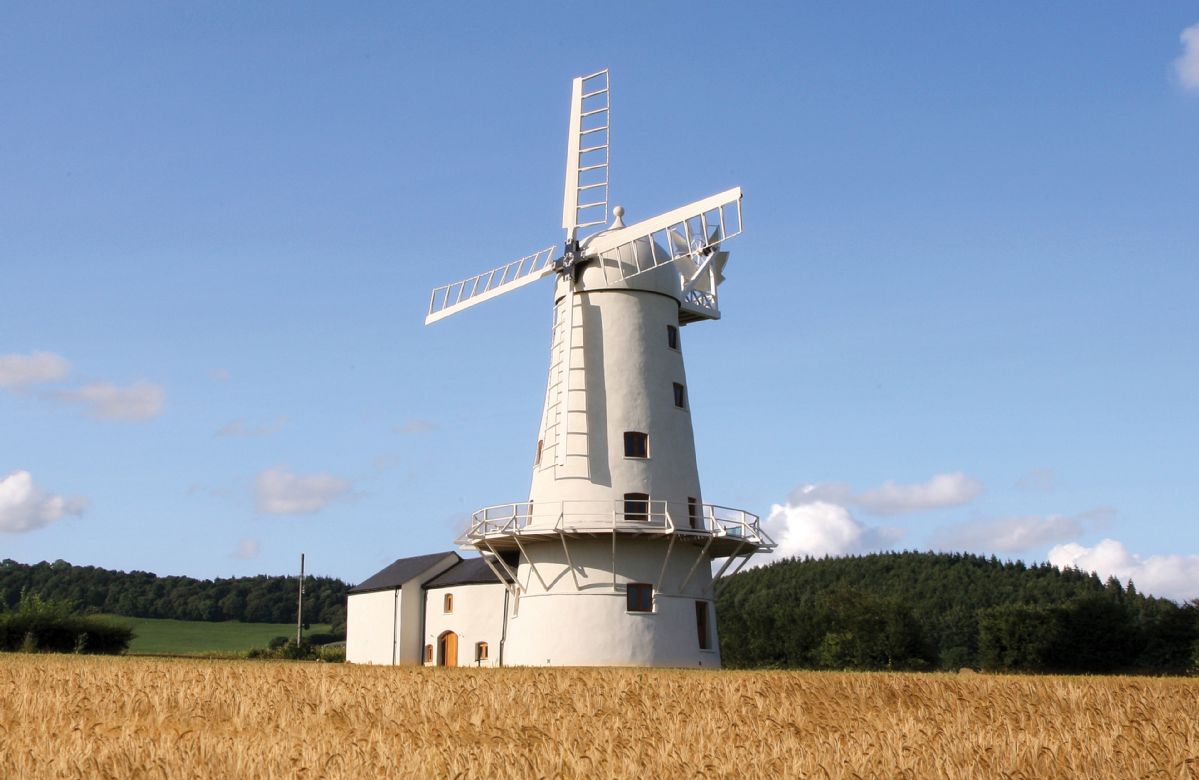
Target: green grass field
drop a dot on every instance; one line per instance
(187, 637)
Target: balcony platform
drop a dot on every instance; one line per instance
(723, 531)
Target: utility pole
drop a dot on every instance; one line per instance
(300, 605)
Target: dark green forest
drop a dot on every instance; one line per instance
(885, 611)
(947, 611)
(260, 599)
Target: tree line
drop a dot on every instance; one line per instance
(259, 599)
(911, 610)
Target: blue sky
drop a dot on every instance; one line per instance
(961, 315)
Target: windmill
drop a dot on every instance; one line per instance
(610, 558)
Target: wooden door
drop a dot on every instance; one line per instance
(448, 649)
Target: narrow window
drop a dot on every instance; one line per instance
(480, 651)
(701, 625)
(640, 597)
(693, 512)
(636, 506)
(680, 396)
(636, 444)
(447, 603)
(428, 654)
(672, 337)
(537, 458)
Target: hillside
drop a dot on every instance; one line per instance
(934, 610)
(259, 599)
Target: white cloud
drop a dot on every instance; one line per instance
(943, 490)
(239, 428)
(219, 375)
(139, 401)
(279, 491)
(415, 425)
(1174, 576)
(1038, 481)
(1187, 66)
(246, 549)
(1008, 534)
(820, 528)
(18, 371)
(24, 507)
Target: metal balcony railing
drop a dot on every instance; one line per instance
(617, 516)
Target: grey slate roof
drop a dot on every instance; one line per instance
(401, 571)
(469, 571)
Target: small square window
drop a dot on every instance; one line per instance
(672, 337)
(640, 597)
(636, 444)
(447, 603)
(636, 506)
(680, 396)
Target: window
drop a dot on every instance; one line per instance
(672, 337)
(636, 444)
(537, 457)
(428, 654)
(447, 603)
(693, 512)
(480, 651)
(640, 597)
(636, 506)
(701, 625)
(680, 396)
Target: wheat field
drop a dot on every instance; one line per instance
(79, 716)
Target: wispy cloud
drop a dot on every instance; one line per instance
(246, 550)
(238, 427)
(20, 371)
(1037, 481)
(1186, 67)
(943, 490)
(1173, 576)
(219, 374)
(280, 491)
(890, 498)
(1019, 534)
(25, 507)
(140, 400)
(415, 425)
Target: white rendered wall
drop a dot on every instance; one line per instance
(478, 616)
(371, 622)
(577, 618)
(622, 379)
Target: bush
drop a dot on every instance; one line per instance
(50, 626)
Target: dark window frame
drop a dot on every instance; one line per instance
(636, 507)
(703, 628)
(672, 337)
(639, 597)
(636, 445)
(680, 395)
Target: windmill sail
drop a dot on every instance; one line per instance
(690, 231)
(585, 203)
(452, 298)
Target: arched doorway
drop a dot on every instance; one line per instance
(447, 649)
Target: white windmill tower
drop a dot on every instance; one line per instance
(611, 556)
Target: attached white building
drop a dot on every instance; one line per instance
(438, 609)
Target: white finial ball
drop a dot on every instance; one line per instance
(618, 211)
